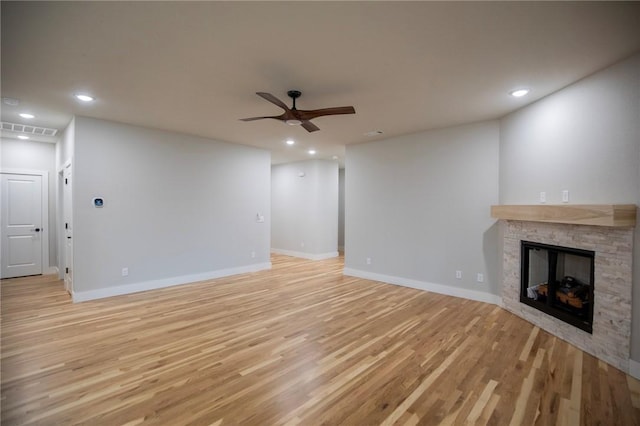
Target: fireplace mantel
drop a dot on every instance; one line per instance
(612, 215)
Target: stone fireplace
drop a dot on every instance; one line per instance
(610, 241)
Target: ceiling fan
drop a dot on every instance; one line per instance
(294, 116)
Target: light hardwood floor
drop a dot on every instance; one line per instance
(300, 344)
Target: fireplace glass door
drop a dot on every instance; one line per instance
(559, 281)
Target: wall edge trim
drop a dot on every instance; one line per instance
(310, 256)
(634, 369)
(82, 296)
(426, 286)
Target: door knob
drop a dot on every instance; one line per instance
(37, 229)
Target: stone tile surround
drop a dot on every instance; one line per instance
(613, 249)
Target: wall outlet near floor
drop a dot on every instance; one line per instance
(459, 275)
(125, 272)
(543, 197)
(302, 244)
(368, 261)
(480, 277)
(565, 196)
(253, 254)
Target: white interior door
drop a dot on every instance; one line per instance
(22, 227)
(67, 195)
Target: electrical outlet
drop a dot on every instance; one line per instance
(565, 196)
(125, 272)
(368, 261)
(302, 244)
(253, 254)
(459, 275)
(543, 197)
(480, 277)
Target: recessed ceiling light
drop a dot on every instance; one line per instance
(84, 98)
(26, 115)
(290, 141)
(373, 133)
(23, 137)
(312, 151)
(519, 93)
(10, 101)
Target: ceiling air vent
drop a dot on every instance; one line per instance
(24, 128)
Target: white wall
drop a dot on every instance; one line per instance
(419, 207)
(65, 146)
(341, 177)
(177, 208)
(305, 209)
(585, 139)
(18, 154)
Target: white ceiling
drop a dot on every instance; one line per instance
(405, 66)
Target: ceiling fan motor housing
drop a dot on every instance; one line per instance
(294, 94)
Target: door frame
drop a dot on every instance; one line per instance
(60, 219)
(46, 265)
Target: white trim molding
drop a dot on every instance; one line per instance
(310, 256)
(479, 296)
(634, 369)
(82, 296)
(65, 165)
(24, 172)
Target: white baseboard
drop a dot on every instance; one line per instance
(634, 369)
(421, 285)
(82, 296)
(51, 270)
(303, 255)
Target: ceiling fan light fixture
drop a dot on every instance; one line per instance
(293, 122)
(290, 142)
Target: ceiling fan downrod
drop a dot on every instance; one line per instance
(294, 94)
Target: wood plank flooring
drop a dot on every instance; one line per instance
(300, 344)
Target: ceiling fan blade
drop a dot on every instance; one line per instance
(308, 115)
(295, 116)
(309, 126)
(269, 97)
(277, 117)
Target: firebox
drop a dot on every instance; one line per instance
(559, 282)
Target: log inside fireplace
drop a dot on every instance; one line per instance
(559, 282)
